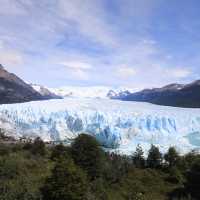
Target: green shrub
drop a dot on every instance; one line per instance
(67, 182)
(154, 159)
(88, 154)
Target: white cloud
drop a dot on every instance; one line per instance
(71, 26)
(125, 72)
(11, 7)
(90, 20)
(1, 44)
(79, 74)
(179, 72)
(76, 65)
(10, 58)
(77, 69)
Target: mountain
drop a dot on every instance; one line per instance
(90, 91)
(45, 92)
(117, 125)
(178, 95)
(15, 90)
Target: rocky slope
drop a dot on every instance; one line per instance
(46, 93)
(177, 95)
(15, 90)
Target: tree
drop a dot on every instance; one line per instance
(67, 182)
(193, 180)
(175, 176)
(2, 135)
(4, 150)
(87, 154)
(98, 189)
(116, 167)
(154, 158)
(190, 158)
(59, 151)
(20, 177)
(138, 157)
(38, 147)
(171, 157)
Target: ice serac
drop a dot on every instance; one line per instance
(116, 124)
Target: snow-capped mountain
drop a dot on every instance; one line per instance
(13, 89)
(179, 95)
(116, 124)
(90, 91)
(45, 92)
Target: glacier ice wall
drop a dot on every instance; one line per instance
(116, 124)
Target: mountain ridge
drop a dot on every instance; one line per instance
(14, 90)
(177, 95)
(44, 91)
(90, 91)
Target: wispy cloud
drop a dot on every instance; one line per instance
(11, 7)
(77, 69)
(89, 19)
(125, 72)
(76, 65)
(76, 42)
(11, 58)
(179, 72)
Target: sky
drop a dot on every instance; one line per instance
(129, 43)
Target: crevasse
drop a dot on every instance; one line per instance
(117, 125)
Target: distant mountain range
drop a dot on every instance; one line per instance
(178, 95)
(90, 91)
(15, 90)
(45, 92)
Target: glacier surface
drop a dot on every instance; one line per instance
(118, 125)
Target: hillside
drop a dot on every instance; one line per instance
(177, 95)
(15, 90)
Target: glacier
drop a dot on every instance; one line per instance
(90, 91)
(117, 125)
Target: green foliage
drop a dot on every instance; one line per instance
(20, 178)
(38, 147)
(193, 179)
(172, 157)
(98, 189)
(88, 154)
(190, 158)
(35, 171)
(175, 176)
(144, 184)
(28, 146)
(116, 167)
(154, 158)
(138, 157)
(2, 135)
(60, 151)
(67, 182)
(17, 148)
(4, 149)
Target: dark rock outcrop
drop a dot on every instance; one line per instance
(177, 95)
(15, 90)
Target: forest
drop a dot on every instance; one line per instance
(34, 170)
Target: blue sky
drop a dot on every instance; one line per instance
(133, 43)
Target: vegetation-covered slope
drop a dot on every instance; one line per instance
(83, 171)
